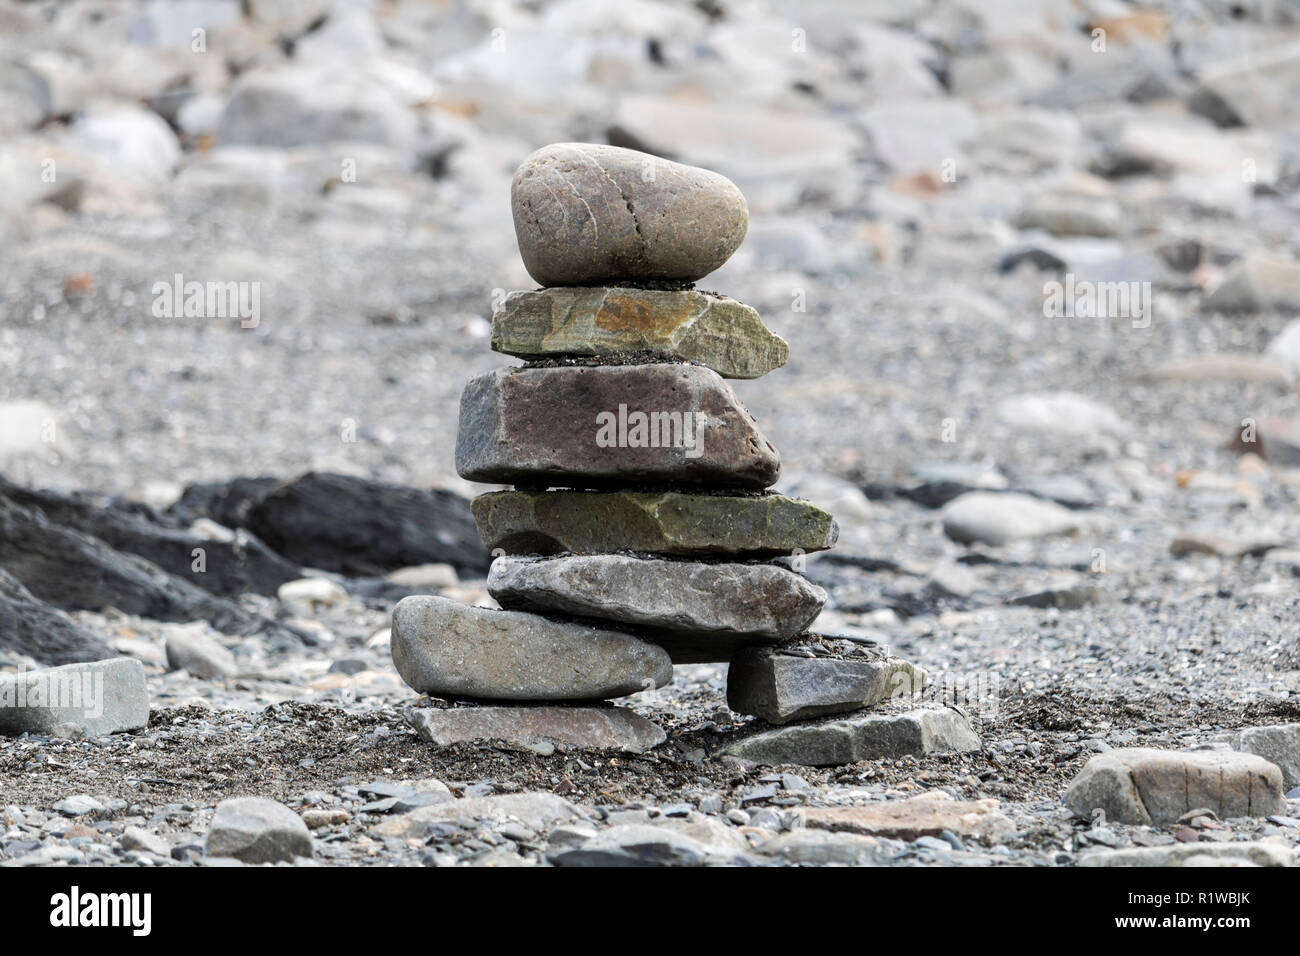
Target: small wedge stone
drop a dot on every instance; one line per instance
(764, 682)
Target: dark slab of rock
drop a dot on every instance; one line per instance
(699, 612)
(229, 568)
(691, 525)
(75, 571)
(225, 502)
(43, 633)
(360, 527)
(538, 728)
(589, 427)
(860, 737)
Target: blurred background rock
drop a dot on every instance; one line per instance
(916, 172)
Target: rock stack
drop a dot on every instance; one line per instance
(640, 531)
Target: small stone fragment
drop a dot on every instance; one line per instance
(257, 830)
(779, 687)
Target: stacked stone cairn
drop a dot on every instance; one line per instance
(639, 532)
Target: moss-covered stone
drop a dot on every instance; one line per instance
(591, 522)
(713, 330)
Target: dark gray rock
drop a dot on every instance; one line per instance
(228, 568)
(360, 527)
(780, 687)
(586, 427)
(43, 633)
(699, 612)
(588, 214)
(447, 649)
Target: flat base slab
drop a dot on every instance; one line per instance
(541, 729)
(863, 737)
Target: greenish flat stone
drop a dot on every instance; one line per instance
(713, 330)
(592, 522)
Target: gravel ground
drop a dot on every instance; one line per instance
(378, 297)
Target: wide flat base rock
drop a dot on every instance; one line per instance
(448, 649)
(780, 687)
(538, 728)
(691, 525)
(929, 814)
(1138, 785)
(711, 330)
(699, 612)
(864, 737)
(589, 426)
(103, 697)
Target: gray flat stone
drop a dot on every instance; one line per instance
(588, 214)
(102, 697)
(565, 728)
(702, 327)
(257, 830)
(585, 427)
(1278, 744)
(930, 814)
(780, 687)
(699, 612)
(865, 737)
(1194, 854)
(1139, 785)
(447, 649)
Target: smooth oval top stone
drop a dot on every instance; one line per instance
(448, 649)
(713, 330)
(591, 215)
